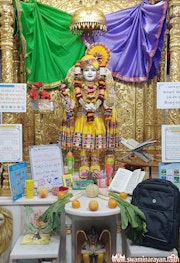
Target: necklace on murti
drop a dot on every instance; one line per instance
(90, 87)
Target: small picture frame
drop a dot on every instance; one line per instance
(81, 184)
(68, 180)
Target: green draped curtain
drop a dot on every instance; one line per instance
(49, 47)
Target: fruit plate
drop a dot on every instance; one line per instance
(56, 189)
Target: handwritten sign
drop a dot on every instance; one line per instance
(46, 165)
(170, 143)
(168, 95)
(13, 97)
(10, 142)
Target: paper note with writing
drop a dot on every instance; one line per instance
(46, 165)
(126, 180)
(13, 97)
(168, 95)
(10, 143)
(170, 143)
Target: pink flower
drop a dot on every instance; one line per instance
(63, 87)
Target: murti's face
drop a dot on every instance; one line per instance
(89, 73)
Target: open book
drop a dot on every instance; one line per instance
(135, 145)
(126, 180)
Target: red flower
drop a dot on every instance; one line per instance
(45, 95)
(37, 92)
(38, 84)
(33, 94)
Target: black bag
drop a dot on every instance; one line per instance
(160, 201)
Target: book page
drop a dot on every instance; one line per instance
(137, 177)
(141, 177)
(120, 180)
(145, 143)
(130, 143)
(133, 144)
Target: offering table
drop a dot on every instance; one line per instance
(83, 218)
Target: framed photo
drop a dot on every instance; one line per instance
(68, 181)
(81, 184)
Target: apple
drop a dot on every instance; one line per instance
(43, 192)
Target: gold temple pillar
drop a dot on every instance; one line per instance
(174, 10)
(174, 13)
(6, 23)
(6, 29)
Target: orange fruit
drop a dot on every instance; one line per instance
(112, 203)
(60, 195)
(75, 203)
(93, 205)
(123, 195)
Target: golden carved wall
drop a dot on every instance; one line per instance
(137, 114)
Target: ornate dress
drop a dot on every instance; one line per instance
(83, 129)
(90, 120)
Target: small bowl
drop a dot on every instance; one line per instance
(56, 189)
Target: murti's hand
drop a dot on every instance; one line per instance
(98, 103)
(89, 107)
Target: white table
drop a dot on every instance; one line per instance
(50, 251)
(84, 217)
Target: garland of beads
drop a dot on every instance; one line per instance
(78, 86)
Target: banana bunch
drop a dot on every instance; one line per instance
(133, 220)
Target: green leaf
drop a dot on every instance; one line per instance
(133, 220)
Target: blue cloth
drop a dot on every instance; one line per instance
(135, 37)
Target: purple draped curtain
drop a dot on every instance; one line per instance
(135, 37)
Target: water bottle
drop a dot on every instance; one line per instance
(70, 162)
(109, 168)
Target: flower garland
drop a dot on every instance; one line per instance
(90, 99)
(65, 92)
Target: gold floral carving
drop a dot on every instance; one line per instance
(6, 229)
(175, 40)
(104, 5)
(6, 22)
